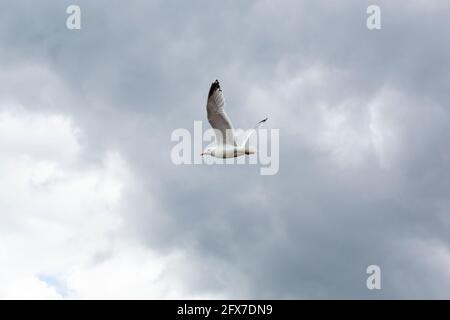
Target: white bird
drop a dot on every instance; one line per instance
(227, 145)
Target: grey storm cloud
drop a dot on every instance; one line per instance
(364, 121)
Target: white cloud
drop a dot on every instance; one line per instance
(61, 218)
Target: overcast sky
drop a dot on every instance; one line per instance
(91, 205)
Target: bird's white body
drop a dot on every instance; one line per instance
(228, 151)
(227, 144)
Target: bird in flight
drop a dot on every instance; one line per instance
(227, 145)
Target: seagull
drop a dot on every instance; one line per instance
(227, 145)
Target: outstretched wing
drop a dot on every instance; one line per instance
(243, 138)
(217, 117)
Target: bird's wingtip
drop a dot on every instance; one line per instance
(214, 86)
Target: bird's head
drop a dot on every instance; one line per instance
(207, 151)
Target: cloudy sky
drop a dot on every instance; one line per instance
(91, 205)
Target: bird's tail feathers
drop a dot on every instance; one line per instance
(242, 139)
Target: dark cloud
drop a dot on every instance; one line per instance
(342, 199)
